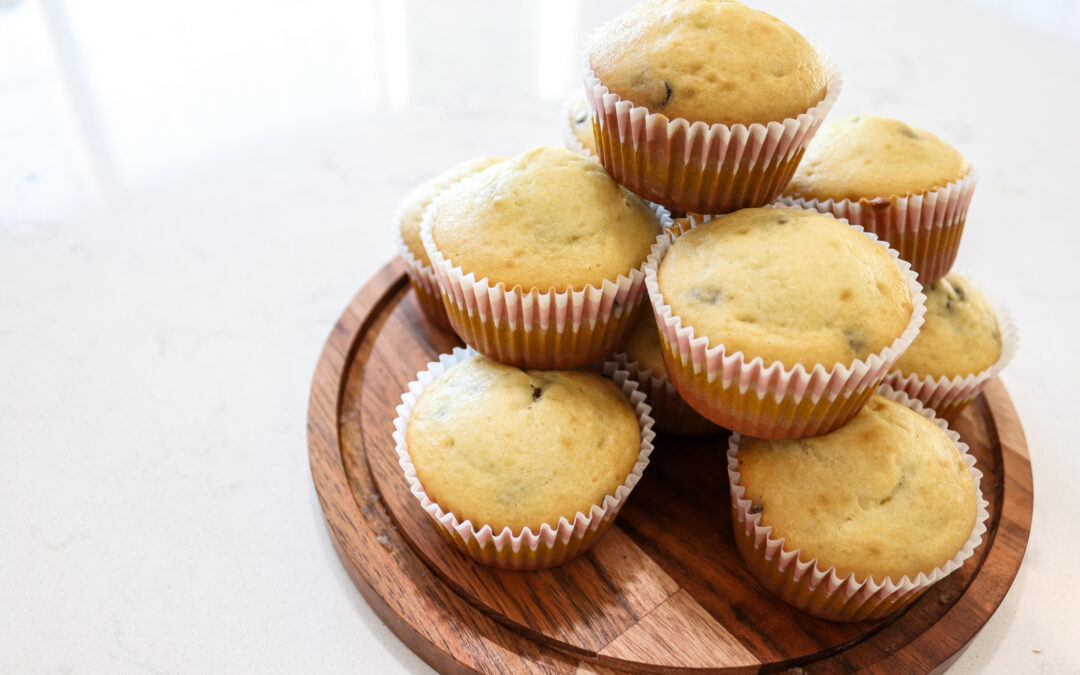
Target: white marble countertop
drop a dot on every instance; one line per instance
(190, 194)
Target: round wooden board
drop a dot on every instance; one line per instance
(663, 589)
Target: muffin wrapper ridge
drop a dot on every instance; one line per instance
(949, 396)
(800, 582)
(925, 227)
(421, 277)
(554, 543)
(535, 329)
(697, 167)
(773, 401)
(671, 414)
(570, 139)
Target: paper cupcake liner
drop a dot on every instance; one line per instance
(554, 543)
(421, 276)
(671, 414)
(697, 167)
(773, 401)
(924, 227)
(570, 139)
(801, 582)
(533, 328)
(949, 396)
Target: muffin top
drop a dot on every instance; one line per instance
(580, 119)
(643, 346)
(506, 447)
(713, 61)
(866, 157)
(787, 285)
(887, 494)
(960, 335)
(547, 218)
(417, 201)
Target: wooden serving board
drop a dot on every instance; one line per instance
(664, 589)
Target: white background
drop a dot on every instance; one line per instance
(191, 192)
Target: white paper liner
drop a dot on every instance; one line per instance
(491, 544)
(421, 274)
(748, 146)
(670, 412)
(860, 598)
(945, 392)
(916, 220)
(775, 379)
(531, 309)
(570, 139)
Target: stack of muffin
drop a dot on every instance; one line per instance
(777, 317)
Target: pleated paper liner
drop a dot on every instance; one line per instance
(770, 401)
(537, 328)
(696, 167)
(554, 543)
(801, 582)
(421, 277)
(671, 414)
(948, 396)
(924, 227)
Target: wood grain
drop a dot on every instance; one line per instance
(663, 590)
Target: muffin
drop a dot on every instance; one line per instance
(903, 184)
(643, 358)
(540, 258)
(522, 469)
(578, 129)
(704, 106)
(962, 344)
(779, 323)
(885, 506)
(408, 216)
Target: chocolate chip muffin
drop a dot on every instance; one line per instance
(961, 345)
(889, 495)
(778, 323)
(705, 78)
(560, 248)
(512, 448)
(904, 184)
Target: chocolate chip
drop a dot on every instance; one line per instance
(709, 296)
(948, 306)
(756, 507)
(537, 392)
(855, 340)
(959, 292)
(667, 98)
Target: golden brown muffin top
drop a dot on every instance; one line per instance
(421, 196)
(506, 447)
(580, 119)
(867, 157)
(960, 335)
(887, 494)
(545, 218)
(714, 61)
(787, 285)
(643, 345)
